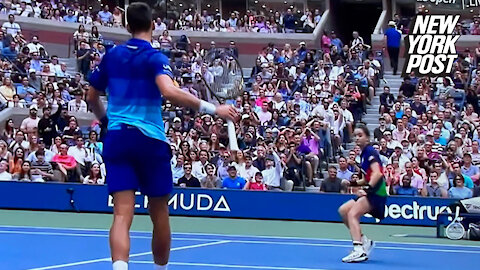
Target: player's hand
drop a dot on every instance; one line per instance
(227, 112)
(361, 193)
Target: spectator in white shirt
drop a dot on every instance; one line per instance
(248, 171)
(77, 104)
(11, 27)
(198, 167)
(4, 175)
(273, 174)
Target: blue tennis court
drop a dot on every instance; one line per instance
(57, 248)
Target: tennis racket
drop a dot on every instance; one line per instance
(455, 229)
(227, 83)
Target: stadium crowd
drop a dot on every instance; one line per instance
(289, 21)
(298, 113)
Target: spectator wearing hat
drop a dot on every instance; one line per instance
(399, 156)
(188, 180)
(77, 104)
(34, 80)
(47, 154)
(233, 181)
(392, 40)
(273, 172)
(247, 171)
(469, 169)
(257, 184)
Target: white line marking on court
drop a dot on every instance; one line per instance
(132, 255)
(249, 236)
(249, 242)
(232, 266)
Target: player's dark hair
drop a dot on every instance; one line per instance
(364, 128)
(139, 17)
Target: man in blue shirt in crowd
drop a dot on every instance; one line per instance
(70, 17)
(233, 181)
(136, 79)
(393, 38)
(10, 52)
(26, 92)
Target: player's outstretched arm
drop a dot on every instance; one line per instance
(96, 105)
(183, 98)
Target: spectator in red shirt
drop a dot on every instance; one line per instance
(67, 169)
(257, 185)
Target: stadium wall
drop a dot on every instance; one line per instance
(303, 206)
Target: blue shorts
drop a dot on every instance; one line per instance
(137, 162)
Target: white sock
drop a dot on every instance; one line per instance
(160, 267)
(357, 246)
(120, 265)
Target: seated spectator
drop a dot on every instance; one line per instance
(333, 183)
(66, 168)
(258, 184)
(248, 171)
(26, 92)
(25, 173)
(405, 188)
(459, 191)
(198, 167)
(77, 104)
(18, 142)
(188, 180)
(433, 189)
(4, 174)
(233, 181)
(82, 156)
(42, 170)
(343, 172)
(177, 168)
(416, 180)
(10, 52)
(48, 155)
(95, 176)
(7, 90)
(16, 162)
(211, 180)
(71, 133)
(470, 170)
(457, 171)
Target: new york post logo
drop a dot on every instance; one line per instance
(430, 46)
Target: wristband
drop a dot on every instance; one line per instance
(207, 107)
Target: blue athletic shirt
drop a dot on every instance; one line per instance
(127, 74)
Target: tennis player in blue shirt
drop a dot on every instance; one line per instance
(137, 154)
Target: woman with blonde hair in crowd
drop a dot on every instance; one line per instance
(4, 153)
(7, 90)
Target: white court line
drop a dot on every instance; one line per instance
(253, 242)
(132, 255)
(250, 236)
(232, 266)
